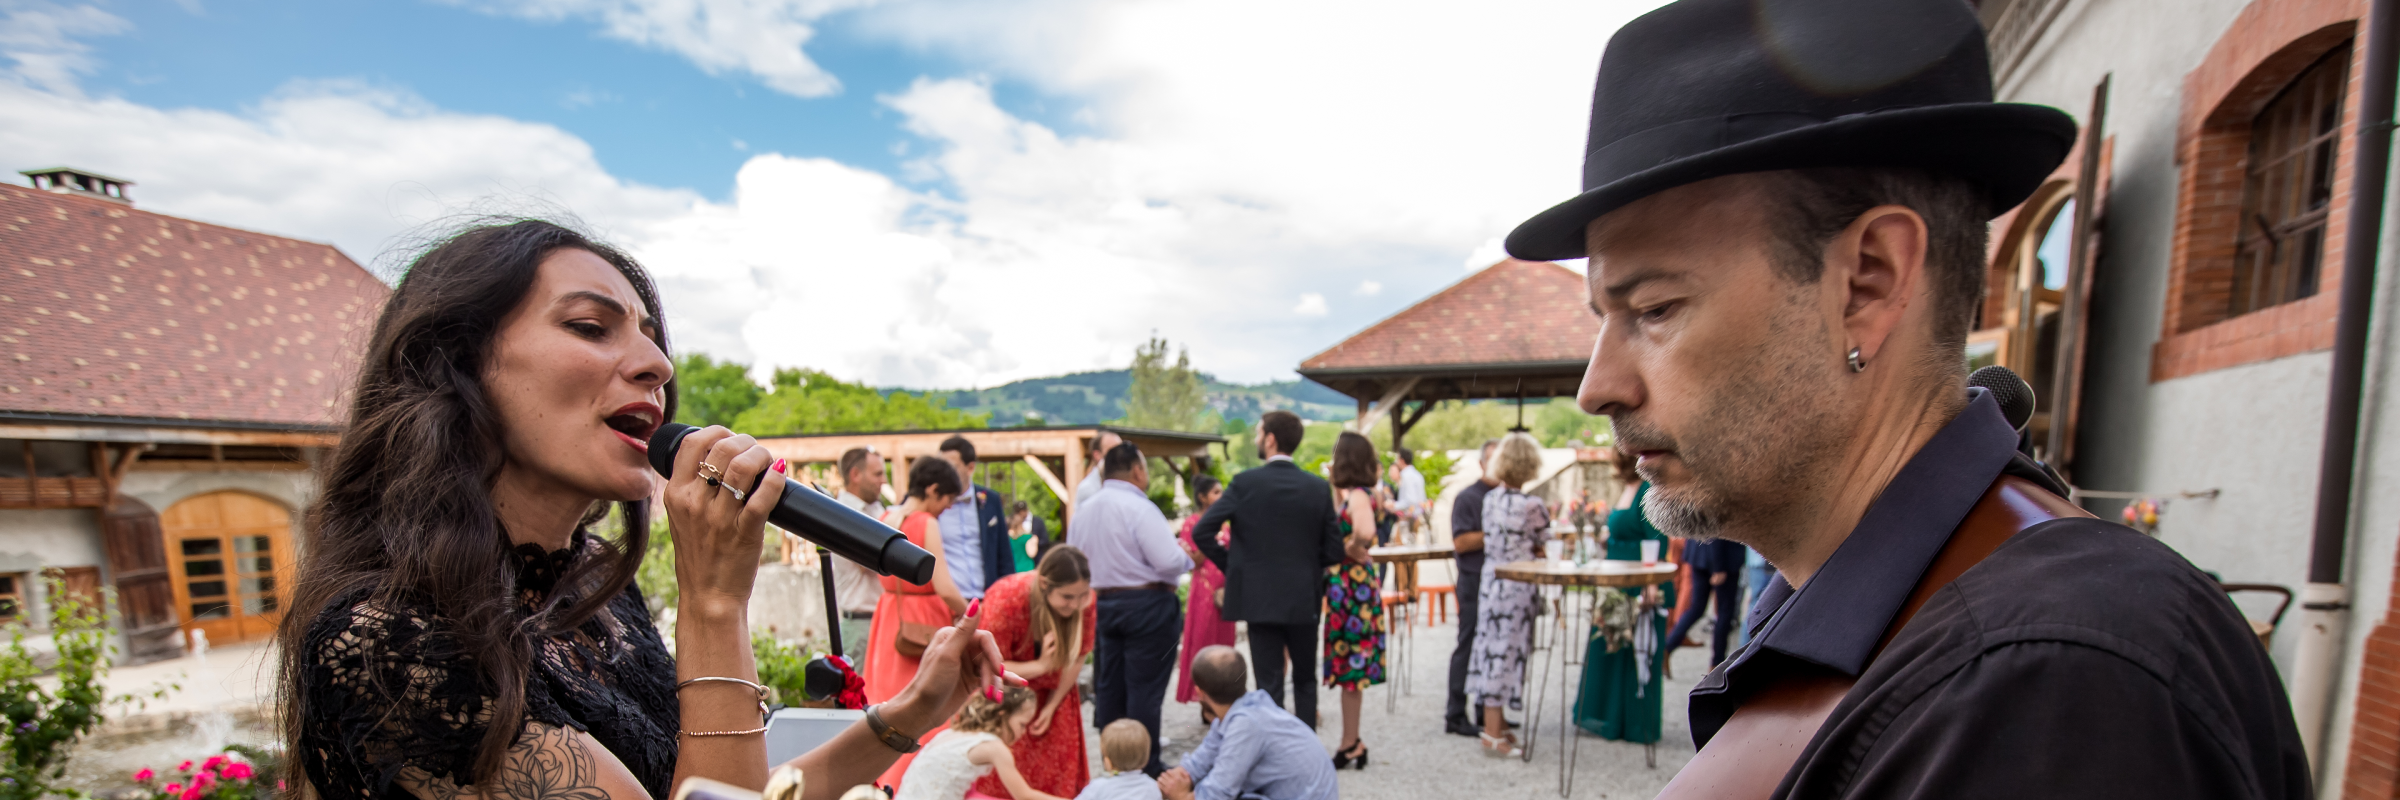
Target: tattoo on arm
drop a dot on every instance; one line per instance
(548, 763)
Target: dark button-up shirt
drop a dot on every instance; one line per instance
(2081, 659)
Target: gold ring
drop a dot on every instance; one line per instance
(710, 472)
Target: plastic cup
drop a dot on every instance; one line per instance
(1649, 552)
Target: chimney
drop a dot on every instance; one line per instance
(68, 180)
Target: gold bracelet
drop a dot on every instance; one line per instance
(764, 711)
(759, 729)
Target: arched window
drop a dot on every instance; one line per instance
(2288, 194)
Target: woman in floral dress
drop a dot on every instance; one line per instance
(1514, 524)
(1354, 595)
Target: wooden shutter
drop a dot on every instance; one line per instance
(137, 556)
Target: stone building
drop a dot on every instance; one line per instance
(2220, 200)
(165, 385)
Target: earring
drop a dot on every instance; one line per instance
(1857, 363)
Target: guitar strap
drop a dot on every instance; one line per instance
(1760, 743)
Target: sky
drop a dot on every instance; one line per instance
(921, 193)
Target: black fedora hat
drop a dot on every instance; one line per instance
(1704, 88)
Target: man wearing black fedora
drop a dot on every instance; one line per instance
(1786, 206)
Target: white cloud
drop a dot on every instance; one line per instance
(761, 37)
(1346, 147)
(41, 37)
(1311, 305)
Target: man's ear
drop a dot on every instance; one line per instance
(1879, 263)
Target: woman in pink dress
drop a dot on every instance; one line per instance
(1202, 625)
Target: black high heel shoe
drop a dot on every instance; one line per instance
(1343, 759)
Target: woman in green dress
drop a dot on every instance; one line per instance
(1622, 696)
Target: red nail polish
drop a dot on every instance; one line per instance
(974, 606)
(992, 693)
(779, 465)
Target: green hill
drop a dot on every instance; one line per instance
(1088, 397)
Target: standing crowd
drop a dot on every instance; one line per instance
(1279, 549)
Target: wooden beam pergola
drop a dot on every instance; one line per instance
(1034, 446)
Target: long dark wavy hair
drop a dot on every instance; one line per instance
(405, 509)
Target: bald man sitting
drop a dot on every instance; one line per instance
(1256, 750)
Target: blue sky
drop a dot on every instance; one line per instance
(652, 116)
(929, 193)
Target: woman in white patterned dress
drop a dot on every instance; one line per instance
(1514, 524)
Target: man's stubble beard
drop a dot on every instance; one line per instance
(1757, 453)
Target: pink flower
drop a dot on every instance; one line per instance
(192, 793)
(279, 785)
(213, 762)
(186, 766)
(235, 770)
(144, 775)
(174, 788)
(203, 780)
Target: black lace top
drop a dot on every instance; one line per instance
(386, 688)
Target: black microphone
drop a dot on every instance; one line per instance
(819, 519)
(2011, 392)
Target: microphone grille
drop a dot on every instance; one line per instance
(2011, 392)
(663, 444)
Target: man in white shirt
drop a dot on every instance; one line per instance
(974, 528)
(1408, 498)
(856, 587)
(1135, 560)
(1090, 485)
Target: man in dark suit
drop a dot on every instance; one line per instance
(975, 529)
(1284, 536)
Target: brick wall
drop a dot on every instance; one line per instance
(2374, 765)
(2267, 45)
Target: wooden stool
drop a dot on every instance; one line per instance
(1439, 603)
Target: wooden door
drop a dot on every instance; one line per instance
(229, 556)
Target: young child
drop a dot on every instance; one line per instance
(1124, 751)
(975, 745)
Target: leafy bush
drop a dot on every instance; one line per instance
(656, 575)
(44, 722)
(782, 667)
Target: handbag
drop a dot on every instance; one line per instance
(913, 638)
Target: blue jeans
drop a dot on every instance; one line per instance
(1140, 630)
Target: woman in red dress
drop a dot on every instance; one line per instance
(1203, 623)
(932, 484)
(1044, 621)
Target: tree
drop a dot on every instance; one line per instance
(809, 401)
(1163, 396)
(710, 392)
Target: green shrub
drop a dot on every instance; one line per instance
(782, 668)
(44, 722)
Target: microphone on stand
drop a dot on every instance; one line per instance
(819, 519)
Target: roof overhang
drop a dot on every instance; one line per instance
(1435, 382)
(42, 426)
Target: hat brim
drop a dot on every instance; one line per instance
(2008, 149)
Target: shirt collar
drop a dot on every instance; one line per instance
(1837, 619)
(1279, 457)
(1125, 483)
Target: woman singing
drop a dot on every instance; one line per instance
(456, 629)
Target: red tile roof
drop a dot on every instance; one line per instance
(106, 310)
(1512, 312)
